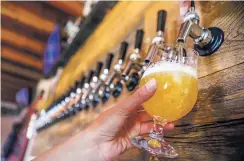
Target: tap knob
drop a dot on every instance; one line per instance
(90, 76)
(83, 80)
(193, 3)
(139, 39)
(99, 68)
(109, 61)
(161, 20)
(77, 84)
(123, 50)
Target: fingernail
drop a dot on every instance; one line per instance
(151, 85)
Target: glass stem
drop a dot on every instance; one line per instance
(158, 131)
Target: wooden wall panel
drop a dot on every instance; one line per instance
(26, 17)
(25, 29)
(6, 78)
(15, 26)
(19, 57)
(45, 11)
(20, 71)
(8, 94)
(22, 41)
(215, 127)
(22, 50)
(71, 8)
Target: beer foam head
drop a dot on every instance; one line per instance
(164, 66)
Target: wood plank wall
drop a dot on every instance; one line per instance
(214, 129)
(25, 29)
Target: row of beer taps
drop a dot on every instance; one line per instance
(103, 83)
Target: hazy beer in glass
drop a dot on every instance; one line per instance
(175, 71)
(176, 90)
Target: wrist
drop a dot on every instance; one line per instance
(89, 146)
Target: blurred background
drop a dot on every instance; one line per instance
(37, 40)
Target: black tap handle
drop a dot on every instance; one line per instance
(192, 3)
(123, 50)
(161, 20)
(72, 89)
(109, 60)
(99, 68)
(83, 80)
(77, 84)
(90, 76)
(139, 38)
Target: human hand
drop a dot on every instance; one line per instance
(112, 130)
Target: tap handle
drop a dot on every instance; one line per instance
(72, 89)
(68, 92)
(193, 3)
(77, 84)
(123, 50)
(90, 76)
(139, 38)
(109, 60)
(99, 68)
(83, 79)
(161, 20)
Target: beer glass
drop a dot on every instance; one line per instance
(175, 71)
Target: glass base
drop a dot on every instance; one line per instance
(155, 145)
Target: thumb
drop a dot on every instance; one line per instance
(141, 95)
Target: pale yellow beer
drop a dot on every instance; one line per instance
(176, 92)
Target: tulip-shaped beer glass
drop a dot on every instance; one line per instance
(175, 71)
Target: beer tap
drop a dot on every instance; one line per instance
(134, 65)
(76, 104)
(158, 41)
(206, 40)
(47, 116)
(118, 67)
(74, 97)
(94, 98)
(118, 87)
(85, 91)
(95, 83)
(78, 94)
(54, 113)
(63, 105)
